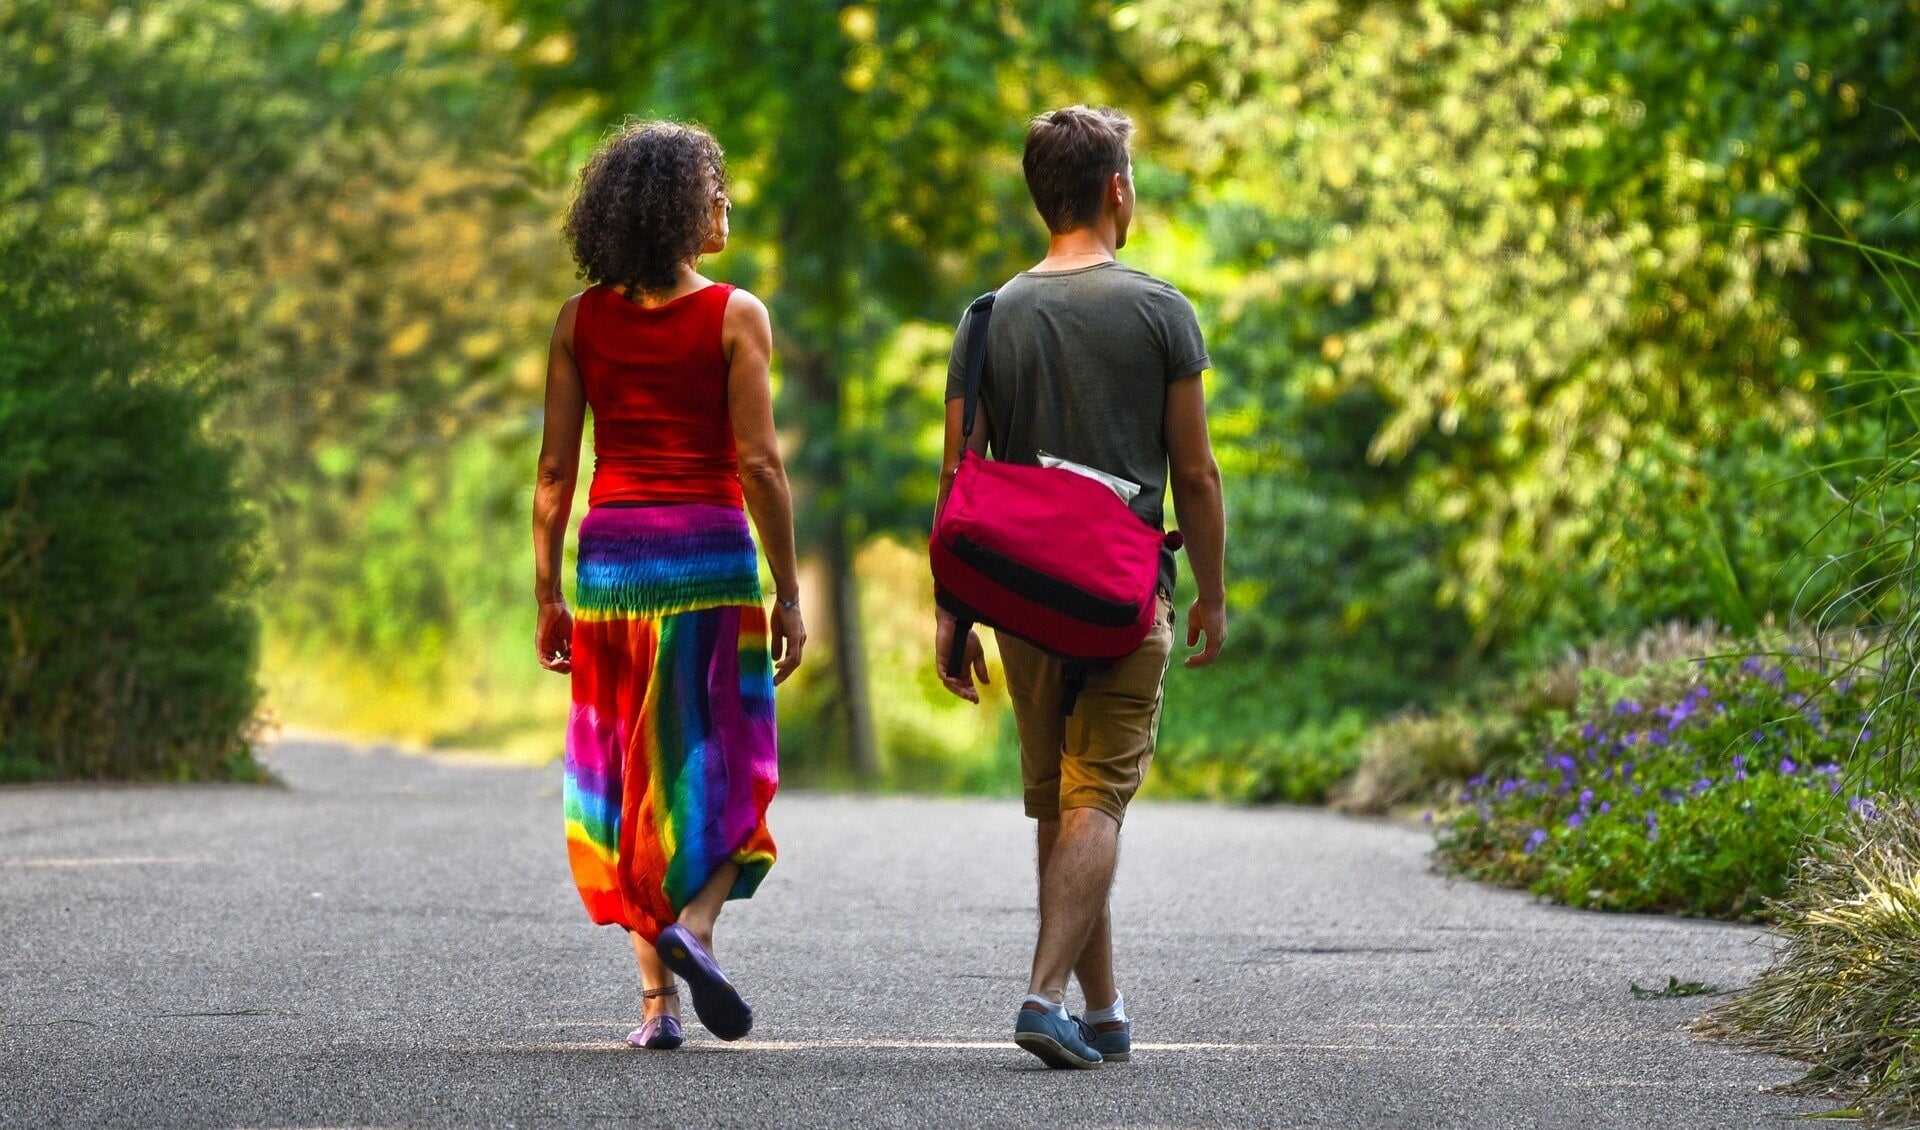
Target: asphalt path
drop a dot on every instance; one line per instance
(392, 940)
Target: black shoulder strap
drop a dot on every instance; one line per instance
(979, 314)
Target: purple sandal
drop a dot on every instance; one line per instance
(715, 1001)
(661, 1034)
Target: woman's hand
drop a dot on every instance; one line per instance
(975, 666)
(553, 638)
(788, 636)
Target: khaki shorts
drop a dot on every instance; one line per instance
(1097, 756)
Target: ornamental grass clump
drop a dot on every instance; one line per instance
(1698, 804)
(1844, 992)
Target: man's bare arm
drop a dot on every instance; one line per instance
(1201, 509)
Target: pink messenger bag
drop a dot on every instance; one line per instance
(1042, 553)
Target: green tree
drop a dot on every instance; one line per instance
(1560, 244)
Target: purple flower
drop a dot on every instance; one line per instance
(1606, 806)
(1586, 798)
(1864, 808)
(1702, 785)
(1538, 837)
(1626, 706)
(1827, 770)
(1626, 770)
(1788, 767)
(1426, 818)
(1576, 819)
(1507, 787)
(1653, 826)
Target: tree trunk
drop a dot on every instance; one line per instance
(850, 654)
(816, 305)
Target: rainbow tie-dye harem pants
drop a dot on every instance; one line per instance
(671, 757)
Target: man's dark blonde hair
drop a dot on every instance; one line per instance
(1071, 154)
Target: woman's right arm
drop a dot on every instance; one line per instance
(553, 492)
(747, 335)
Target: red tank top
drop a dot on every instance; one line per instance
(656, 380)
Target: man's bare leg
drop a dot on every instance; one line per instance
(1094, 967)
(1073, 899)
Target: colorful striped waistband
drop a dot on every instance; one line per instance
(654, 561)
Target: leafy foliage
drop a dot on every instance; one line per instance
(1301, 766)
(1560, 260)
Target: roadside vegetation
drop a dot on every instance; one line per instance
(1843, 995)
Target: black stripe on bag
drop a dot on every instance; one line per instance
(1053, 592)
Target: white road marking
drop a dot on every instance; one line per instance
(105, 861)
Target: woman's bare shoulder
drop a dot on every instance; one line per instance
(746, 314)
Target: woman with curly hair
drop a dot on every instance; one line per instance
(670, 751)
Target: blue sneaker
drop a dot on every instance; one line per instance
(1113, 1039)
(1057, 1040)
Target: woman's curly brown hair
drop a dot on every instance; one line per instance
(645, 204)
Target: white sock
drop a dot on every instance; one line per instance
(1050, 1006)
(1115, 1011)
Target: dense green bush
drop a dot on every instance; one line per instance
(1302, 765)
(126, 550)
(1686, 787)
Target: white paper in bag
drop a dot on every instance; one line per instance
(1126, 490)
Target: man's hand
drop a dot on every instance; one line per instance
(975, 666)
(1208, 618)
(553, 639)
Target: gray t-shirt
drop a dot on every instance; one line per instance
(1078, 364)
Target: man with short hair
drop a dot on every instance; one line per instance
(1094, 362)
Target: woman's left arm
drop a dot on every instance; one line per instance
(747, 335)
(553, 492)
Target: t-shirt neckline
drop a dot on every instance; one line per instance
(1072, 270)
